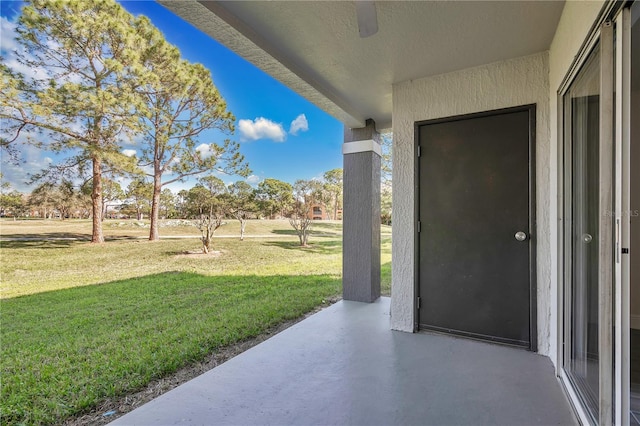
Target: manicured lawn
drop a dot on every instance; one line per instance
(64, 351)
(82, 322)
(33, 266)
(130, 228)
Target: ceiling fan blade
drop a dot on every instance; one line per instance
(367, 17)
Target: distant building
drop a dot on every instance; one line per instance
(319, 211)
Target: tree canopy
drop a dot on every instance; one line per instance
(304, 193)
(274, 196)
(206, 202)
(101, 77)
(85, 56)
(181, 102)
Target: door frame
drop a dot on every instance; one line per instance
(532, 240)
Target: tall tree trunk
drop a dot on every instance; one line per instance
(155, 206)
(96, 198)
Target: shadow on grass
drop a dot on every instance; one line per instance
(284, 232)
(320, 247)
(41, 242)
(313, 232)
(107, 340)
(52, 240)
(317, 228)
(331, 226)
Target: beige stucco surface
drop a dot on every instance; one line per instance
(515, 82)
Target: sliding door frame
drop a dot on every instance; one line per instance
(606, 208)
(613, 283)
(622, 167)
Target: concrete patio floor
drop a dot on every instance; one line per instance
(344, 366)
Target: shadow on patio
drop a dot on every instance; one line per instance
(345, 366)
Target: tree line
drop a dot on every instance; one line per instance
(207, 204)
(99, 79)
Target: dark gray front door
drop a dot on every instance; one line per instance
(475, 194)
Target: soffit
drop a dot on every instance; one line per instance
(314, 46)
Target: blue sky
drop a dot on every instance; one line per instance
(282, 135)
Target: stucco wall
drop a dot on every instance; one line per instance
(504, 84)
(532, 79)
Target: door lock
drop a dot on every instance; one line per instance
(521, 236)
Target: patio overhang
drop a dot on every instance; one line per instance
(314, 47)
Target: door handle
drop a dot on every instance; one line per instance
(521, 236)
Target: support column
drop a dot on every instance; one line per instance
(361, 214)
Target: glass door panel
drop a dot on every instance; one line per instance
(582, 116)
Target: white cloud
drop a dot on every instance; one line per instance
(261, 128)
(32, 160)
(300, 124)
(7, 35)
(132, 139)
(178, 186)
(204, 150)
(11, 49)
(9, 46)
(253, 179)
(147, 170)
(129, 152)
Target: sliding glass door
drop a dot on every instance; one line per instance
(600, 328)
(588, 231)
(582, 127)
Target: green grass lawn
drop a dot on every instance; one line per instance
(82, 322)
(130, 229)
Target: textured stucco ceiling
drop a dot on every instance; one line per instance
(314, 46)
